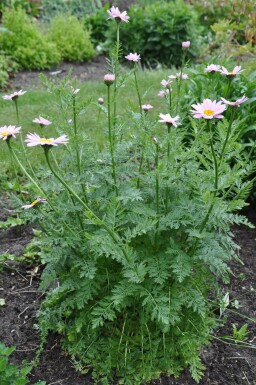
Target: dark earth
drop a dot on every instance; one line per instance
(226, 364)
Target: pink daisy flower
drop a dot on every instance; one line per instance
(9, 131)
(212, 68)
(114, 13)
(237, 103)
(35, 202)
(166, 83)
(163, 93)
(208, 109)
(14, 96)
(236, 71)
(182, 76)
(169, 120)
(109, 79)
(146, 107)
(185, 44)
(35, 140)
(42, 121)
(133, 57)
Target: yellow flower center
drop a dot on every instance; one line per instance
(34, 202)
(208, 112)
(5, 133)
(44, 141)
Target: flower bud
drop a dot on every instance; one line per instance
(185, 44)
(100, 100)
(109, 79)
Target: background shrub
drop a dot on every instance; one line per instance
(71, 39)
(157, 31)
(26, 44)
(78, 8)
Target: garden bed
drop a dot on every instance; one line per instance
(225, 364)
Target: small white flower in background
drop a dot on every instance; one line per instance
(237, 103)
(185, 44)
(9, 131)
(212, 68)
(182, 76)
(75, 91)
(70, 121)
(133, 57)
(168, 119)
(14, 96)
(236, 71)
(42, 121)
(35, 140)
(146, 107)
(114, 13)
(172, 77)
(35, 202)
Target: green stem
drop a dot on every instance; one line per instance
(228, 87)
(78, 158)
(167, 167)
(137, 89)
(88, 212)
(227, 136)
(8, 141)
(115, 72)
(110, 138)
(17, 111)
(157, 179)
(216, 181)
(170, 101)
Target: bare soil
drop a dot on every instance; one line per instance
(225, 364)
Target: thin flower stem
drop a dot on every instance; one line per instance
(170, 101)
(227, 136)
(137, 89)
(167, 167)
(88, 212)
(228, 87)
(17, 111)
(116, 63)
(78, 158)
(14, 156)
(157, 179)
(216, 182)
(111, 146)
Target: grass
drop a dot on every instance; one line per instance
(90, 120)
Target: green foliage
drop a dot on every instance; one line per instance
(25, 44)
(30, 6)
(78, 8)
(97, 23)
(241, 334)
(10, 374)
(157, 31)
(72, 40)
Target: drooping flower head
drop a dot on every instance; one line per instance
(169, 120)
(35, 202)
(208, 109)
(100, 100)
(212, 68)
(146, 107)
(172, 77)
(42, 121)
(14, 96)
(237, 103)
(164, 93)
(133, 57)
(166, 83)
(236, 71)
(109, 79)
(35, 140)
(6, 132)
(75, 91)
(185, 44)
(115, 14)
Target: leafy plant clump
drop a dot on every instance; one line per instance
(72, 40)
(10, 374)
(136, 235)
(157, 30)
(25, 43)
